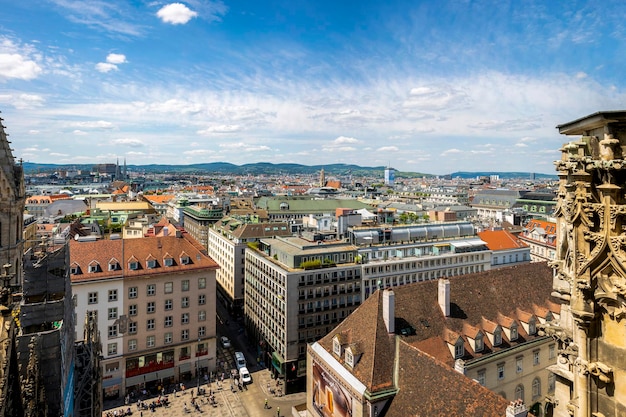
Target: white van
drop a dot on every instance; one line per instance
(240, 360)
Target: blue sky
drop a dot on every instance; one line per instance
(427, 86)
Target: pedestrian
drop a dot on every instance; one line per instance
(278, 411)
(265, 404)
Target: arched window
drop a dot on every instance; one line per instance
(519, 392)
(536, 388)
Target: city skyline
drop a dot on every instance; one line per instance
(422, 86)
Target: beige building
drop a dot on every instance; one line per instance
(227, 241)
(154, 298)
(540, 235)
(590, 268)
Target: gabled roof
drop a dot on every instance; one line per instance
(135, 250)
(375, 367)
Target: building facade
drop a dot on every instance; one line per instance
(155, 304)
(540, 236)
(589, 266)
(296, 291)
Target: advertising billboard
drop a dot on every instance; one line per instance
(330, 399)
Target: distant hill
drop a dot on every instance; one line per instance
(225, 168)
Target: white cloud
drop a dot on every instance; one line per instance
(452, 151)
(133, 143)
(246, 147)
(521, 145)
(18, 66)
(116, 58)
(388, 149)
(219, 129)
(342, 139)
(56, 154)
(176, 14)
(96, 124)
(78, 132)
(22, 101)
(105, 67)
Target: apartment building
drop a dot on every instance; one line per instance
(227, 242)
(154, 299)
(540, 236)
(296, 291)
(507, 248)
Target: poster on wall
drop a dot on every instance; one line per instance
(330, 399)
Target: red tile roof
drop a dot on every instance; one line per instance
(501, 240)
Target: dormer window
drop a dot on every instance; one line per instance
(513, 332)
(349, 358)
(94, 267)
(336, 347)
(497, 337)
(74, 270)
(151, 263)
(459, 349)
(532, 328)
(168, 261)
(113, 265)
(479, 345)
(133, 265)
(185, 260)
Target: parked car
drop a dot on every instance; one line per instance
(245, 375)
(240, 360)
(225, 342)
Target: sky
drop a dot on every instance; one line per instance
(432, 86)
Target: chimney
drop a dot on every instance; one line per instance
(443, 296)
(389, 310)
(516, 408)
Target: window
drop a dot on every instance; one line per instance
(201, 331)
(112, 313)
(519, 392)
(185, 259)
(551, 351)
(150, 341)
(459, 351)
(536, 357)
(113, 266)
(169, 321)
(500, 371)
(336, 347)
(185, 285)
(349, 358)
(132, 344)
(184, 334)
(169, 304)
(151, 289)
(513, 332)
(92, 298)
(497, 337)
(536, 388)
(184, 302)
(151, 263)
(184, 318)
(169, 287)
(112, 295)
(201, 283)
(481, 377)
(112, 331)
(112, 349)
(168, 261)
(201, 315)
(479, 343)
(519, 364)
(94, 267)
(151, 307)
(112, 367)
(133, 265)
(532, 327)
(132, 310)
(132, 327)
(150, 324)
(132, 292)
(201, 299)
(168, 338)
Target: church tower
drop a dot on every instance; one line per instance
(590, 269)
(12, 201)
